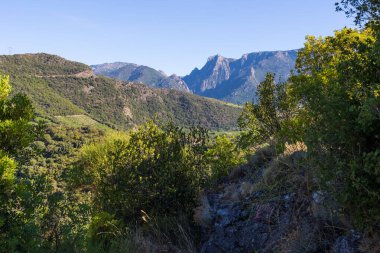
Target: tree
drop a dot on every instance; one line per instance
(271, 117)
(363, 11)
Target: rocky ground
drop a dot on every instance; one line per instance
(272, 205)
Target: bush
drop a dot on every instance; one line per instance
(155, 169)
(223, 155)
(103, 229)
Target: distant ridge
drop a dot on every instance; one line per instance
(141, 74)
(232, 80)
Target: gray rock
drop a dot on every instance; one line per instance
(345, 244)
(318, 197)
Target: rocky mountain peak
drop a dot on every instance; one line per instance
(216, 70)
(215, 58)
(173, 82)
(244, 57)
(162, 72)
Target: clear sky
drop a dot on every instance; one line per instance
(172, 35)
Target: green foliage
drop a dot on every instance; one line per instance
(365, 176)
(223, 155)
(37, 213)
(78, 121)
(15, 116)
(7, 185)
(16, 133)
(103, 230)
(5, 87)
(337, 85)
(15, 122)
(271, 117)
(154, 169)
(46, 100)
(7, 172)
(40, 65)
(50, 216)
(362, 10)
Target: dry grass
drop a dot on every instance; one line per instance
(296, 147)
(165, 234)
(285, 173)
(202, 213)
(156, 235)
(262, 155)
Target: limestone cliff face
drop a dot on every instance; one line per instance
(215, 71)
(235, 80)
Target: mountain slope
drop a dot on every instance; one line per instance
(140, 74)
(59, 87)
(232, 80)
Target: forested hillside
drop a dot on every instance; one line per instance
(58, 87)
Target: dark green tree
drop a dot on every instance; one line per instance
(363, 11)
(271, 117)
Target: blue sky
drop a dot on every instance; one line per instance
(172, 35)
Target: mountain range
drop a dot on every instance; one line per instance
(67, 91)
(231, 80)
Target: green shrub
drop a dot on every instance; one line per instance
(362, 193)
(223, 155)
(156, 169)
(337, 87)
(103, 229)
